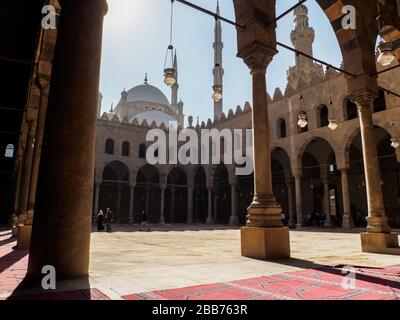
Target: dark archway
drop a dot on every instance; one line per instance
(147, 194)
(281, 129)
(114, 190)
(200, 196)
(350, 110)
(126, 146)
(389, 172)
(222, 194)
(322, 116)
(176, 197)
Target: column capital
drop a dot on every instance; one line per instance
(363, 97)
(257, 57)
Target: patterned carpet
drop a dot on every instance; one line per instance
(322, 283)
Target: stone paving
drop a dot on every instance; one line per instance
(128, 261)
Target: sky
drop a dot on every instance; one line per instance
(136, 37)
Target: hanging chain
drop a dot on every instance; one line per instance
(170, 47)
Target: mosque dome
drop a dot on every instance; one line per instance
(147, 93)
(153, 115)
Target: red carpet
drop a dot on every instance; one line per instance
(324, 283)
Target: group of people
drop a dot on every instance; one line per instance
(106, 218)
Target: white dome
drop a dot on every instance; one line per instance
(157, 116)
(147, 93)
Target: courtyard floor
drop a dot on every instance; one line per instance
(127, 262)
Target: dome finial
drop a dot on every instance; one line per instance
(146, 79)
(112, 108)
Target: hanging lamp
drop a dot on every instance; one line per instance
(169, 71)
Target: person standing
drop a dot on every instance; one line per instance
(144, 222)
(100, 221)
(109, 219)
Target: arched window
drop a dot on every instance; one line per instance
(110, 146)
(125, 149)
(351, 110)
(380, 102)
(142, 151)
(323, 116)
(9, 151)
(281, 127)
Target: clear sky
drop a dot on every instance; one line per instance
(136, 36)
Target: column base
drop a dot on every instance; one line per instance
(234, 221)
(386, 243)
(210, 220)
(130, 221)
(265, 243)
(24, 237)
(348, 222)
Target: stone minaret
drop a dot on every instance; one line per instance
(302, 38)
(218, 71)
(175, 87)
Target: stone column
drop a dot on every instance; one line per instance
(264, 211)
(119, 187)
(299, 203)
(27, 168)
(234, 219)
(190, 205)
(147, 205)
(377, 221)
(172, 204)
(62, 223)
(348, 222)
(96, 201)
(378, 237)
(44, 95)
(131, 201)
(327, 204)
(162, 211)
(210, 219)
(290, 199)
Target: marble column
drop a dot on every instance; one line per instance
(162, 205)
(377, 220)
(131, 202)
(63, 211)
(327, 204)
(299, 203)
(210, 218)
(290, 200)
(190, 205)
(348, 222)
(264, 210)
(234, 219)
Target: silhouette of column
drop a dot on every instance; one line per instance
(96, 201)
(131, 202)
(172, 204)
(162, 213)
(234, 219)
(190, 205)
(290, 200)
(327, 205)
(299, 203)
(210, 219)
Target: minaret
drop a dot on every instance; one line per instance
(302, 38)
(175, 87)
(218, 71)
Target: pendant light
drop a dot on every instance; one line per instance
(169, 71)
(333, 125)
(385, 49)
